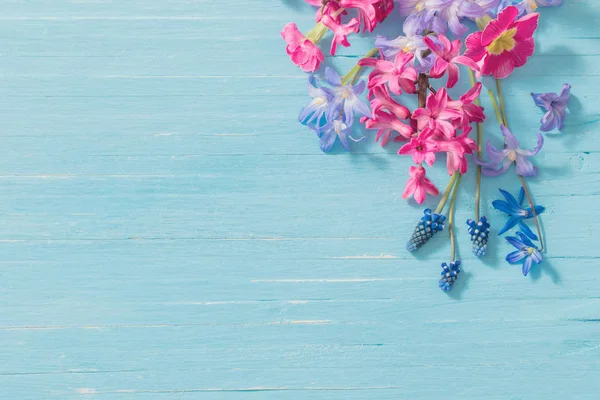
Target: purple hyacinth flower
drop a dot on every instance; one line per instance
(313, 114)
(337, 129)
(526, 252)
(346, 99)
(452, 11)
(501, 160)
(555, 106)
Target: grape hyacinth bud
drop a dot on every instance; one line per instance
(429, 225)
(449, 275)
(480, 232)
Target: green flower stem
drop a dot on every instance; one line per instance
(444, 198)
(495, 105)
(479, 154)
(451, 218)
(535, 217)
(501, 98)
(353, 73)
(316, 33)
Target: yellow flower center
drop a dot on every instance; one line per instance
(533, 5)
(504, 42)
(512, 156)
(530, 250)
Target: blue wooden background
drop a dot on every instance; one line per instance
(168, 230)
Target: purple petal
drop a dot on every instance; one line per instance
(535, 150)
(536, 256)
(544, 100)
(550, 121)
(511, 141)
(516, 242)
(359, 88)
(524, 167)
(563, 98)
(516, 256)
(526, 266)
(494, 155)
(332, 77)
(327, 140)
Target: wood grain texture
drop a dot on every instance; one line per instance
(168, 230)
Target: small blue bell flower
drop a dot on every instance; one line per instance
(429, 225)
(480, 232)
(449, 275)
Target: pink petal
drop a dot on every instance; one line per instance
(409, 189)
(497, 26)
(432, 46)
(466, 61)
(420, 194)
(430, 158)
(523, 50)
(475, 50)
(439, 67)
(500, 66)
(526, 26)
(453, 75)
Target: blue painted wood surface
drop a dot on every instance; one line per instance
(168, 230)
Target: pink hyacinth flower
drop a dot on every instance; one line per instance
(418, 185)
(470, 111)
(316, 3)
(370, 12)
(302, 51)
(397, 74)
(340, 31)
(422, 147)
(437, 115)
(448, 55)
(386, 123)
(456, 149)
(504, 44)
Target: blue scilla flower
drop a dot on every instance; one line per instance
(429, 225)
(480, 232)
(527, 252)
(449, 275)
(516, 212)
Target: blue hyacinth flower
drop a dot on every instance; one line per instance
(429, 225)
(480, 232)
(516, 212)
(449, 275)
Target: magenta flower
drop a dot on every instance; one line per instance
(470, 111)
(456, 149)
(370, 12)
(555, 106)
(501, 160)
(437, 115)
(422, 147)
(448, 55)
(386, 123)
(505, 44)
(302, 51)
(418, 185)
(340, 31)
(397, 74)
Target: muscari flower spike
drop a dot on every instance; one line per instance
(429, 225)
(449, 275)
(480, 232)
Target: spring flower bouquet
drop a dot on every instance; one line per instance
(433, 46)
